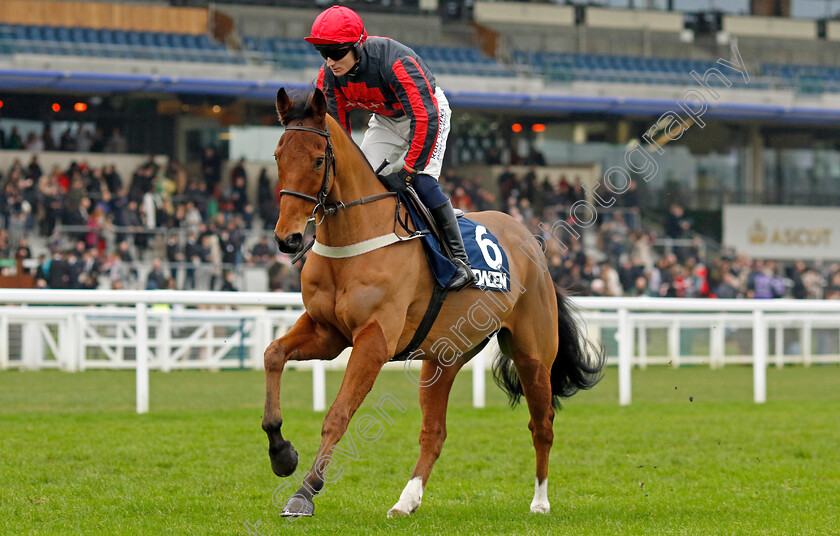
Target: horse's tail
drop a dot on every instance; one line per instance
(579, 361)
(577, 365)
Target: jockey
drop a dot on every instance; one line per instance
(410, 115)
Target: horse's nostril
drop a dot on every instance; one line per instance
(294, 241)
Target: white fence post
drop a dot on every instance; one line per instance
(717, 344)
(780, 345)
(642, 346)
(759, 357)
(478, 364)
(142, 357)
(69, 343)
(164, 334)
(625, 356)
(674, 342)
(319, 386)
(32, 346)
(807, 337)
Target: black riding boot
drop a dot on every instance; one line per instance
(450, 233)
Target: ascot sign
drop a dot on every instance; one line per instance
(783, 232)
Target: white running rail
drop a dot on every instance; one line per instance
(75, 330)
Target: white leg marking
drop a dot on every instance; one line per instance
(409, 498)
(540, 503)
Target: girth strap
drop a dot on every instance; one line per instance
(435, 303)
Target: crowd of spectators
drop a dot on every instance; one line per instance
(162, 228)
(625, 258)
(84, 139)
(159, 228)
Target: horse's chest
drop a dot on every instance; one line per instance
(347, 309)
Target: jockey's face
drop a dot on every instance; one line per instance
(342, 66)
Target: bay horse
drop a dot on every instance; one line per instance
(374, 301)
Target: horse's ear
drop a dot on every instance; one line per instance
(319, 103)
(284, 103)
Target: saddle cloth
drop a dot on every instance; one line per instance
(489, 261)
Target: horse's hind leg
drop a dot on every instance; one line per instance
(435, 383)
(536, 383)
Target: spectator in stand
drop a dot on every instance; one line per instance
(238, 171)
(134, 219)
(460, 199)
(268, 208)
(629, 273)
(212, 256)
(728, 288)
(507, 183)
(34, 143)
(211, 168)
(640, 287)
(193, 254)
(15, 141)
(59, 272)
(67, 142)
(97, 140)
(239, 195)
(156, 279)
(675, 223)
(173, 254)
(49, 139)
(282, 277)
(231, 245)
(227, 282)
(629, 200)
(112, 178)
(116, 143)
(608, 274)
(261, 253)
(84, 140)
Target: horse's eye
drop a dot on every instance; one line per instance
(319, 162)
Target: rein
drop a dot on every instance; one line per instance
(329, 209)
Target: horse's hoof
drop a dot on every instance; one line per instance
(298, 506)
(540, 508)
(284, 460)
(393, 512)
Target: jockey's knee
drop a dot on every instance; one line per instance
(428, 190)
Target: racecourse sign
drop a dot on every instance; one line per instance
(783, 232)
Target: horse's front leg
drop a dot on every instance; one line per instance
(370, 352)
(306, 340)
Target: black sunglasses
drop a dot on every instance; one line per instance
(333, 52)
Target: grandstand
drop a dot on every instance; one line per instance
(546, 98)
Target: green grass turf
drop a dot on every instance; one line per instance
(691, 455)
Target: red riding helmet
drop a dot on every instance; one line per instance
(338, 25)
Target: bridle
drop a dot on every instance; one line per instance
(329, 162)
(321, 200)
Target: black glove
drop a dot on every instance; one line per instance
(399, 181)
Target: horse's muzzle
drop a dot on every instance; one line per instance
(291, 244)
